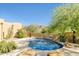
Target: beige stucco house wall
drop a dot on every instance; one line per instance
(6, 27)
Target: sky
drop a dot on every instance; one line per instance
(28, 13)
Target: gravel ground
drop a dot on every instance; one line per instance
(22, 45)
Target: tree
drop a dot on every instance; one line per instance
(66, 18)
(44, 30)
(34, 28)
(31, 28)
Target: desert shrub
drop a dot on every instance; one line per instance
(62, 38)
(20, 34)
(12, 45)
(3, 47)
(7, 46)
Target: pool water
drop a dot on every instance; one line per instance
(44, 44)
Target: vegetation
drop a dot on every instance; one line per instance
(21, 33)
(66, 18)
(45, 30)
(31, 28)
(7, 46)
(34, 28)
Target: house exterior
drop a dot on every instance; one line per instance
(8, 28)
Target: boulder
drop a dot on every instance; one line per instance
(55, 54)
(28, 53)
(68, 45)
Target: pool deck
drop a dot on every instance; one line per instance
(23, 45)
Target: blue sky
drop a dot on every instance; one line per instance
(27, 13)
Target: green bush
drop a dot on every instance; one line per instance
(7, 46)
(62, 38)
(20, 34)
(12, 45)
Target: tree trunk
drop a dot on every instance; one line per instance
(29, 34)
(74, 37)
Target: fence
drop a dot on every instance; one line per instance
(55, 37)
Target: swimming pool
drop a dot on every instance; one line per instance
(44, 44)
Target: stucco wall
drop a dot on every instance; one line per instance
(7, 27)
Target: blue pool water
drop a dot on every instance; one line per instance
(44, 44)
